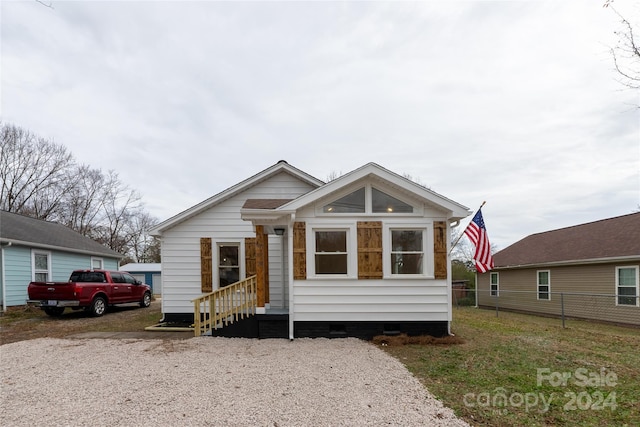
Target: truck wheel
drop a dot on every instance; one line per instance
(146, 300)
(98, 306)
(54, 311)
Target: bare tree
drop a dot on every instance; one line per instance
(33, 172)
(41, 179)
(82, 205)
(626, 53)
(143, 247)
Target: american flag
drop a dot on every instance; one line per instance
(477, 233)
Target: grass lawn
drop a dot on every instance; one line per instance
(525, 370)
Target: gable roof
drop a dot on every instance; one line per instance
(281, 166)
(455, 210)
(610, 239)
(24, 230)
(146, 267)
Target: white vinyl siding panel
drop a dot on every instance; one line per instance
(371, 300)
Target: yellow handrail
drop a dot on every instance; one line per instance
(225, 305)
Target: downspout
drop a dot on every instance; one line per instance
(4, 278)
(290, 271)
(449, 273)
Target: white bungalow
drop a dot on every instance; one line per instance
(283, 254)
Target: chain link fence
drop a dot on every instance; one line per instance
(619, 309)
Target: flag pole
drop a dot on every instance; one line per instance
(461, 234)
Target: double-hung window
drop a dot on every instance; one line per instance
(41, 266)
(494, 284)
(544, 285)
(627, 286)
(331, 256)
(407, 251)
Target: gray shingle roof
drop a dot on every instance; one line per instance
(22, 229)
(614, 238)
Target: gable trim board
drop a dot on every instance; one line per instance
(250, 212)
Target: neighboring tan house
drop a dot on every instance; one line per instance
(35, 250)
(364, 254)
(149, 273)
(591, 269)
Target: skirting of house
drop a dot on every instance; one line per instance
(277, 326)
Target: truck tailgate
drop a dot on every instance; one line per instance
(52, 291)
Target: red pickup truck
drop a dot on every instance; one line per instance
(91, 290)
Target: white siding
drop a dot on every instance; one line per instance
(371, 300)
(389, 299)
(222, 222)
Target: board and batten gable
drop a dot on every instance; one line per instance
(221, 222)
(371, 296)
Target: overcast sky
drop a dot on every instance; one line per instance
(512, 102)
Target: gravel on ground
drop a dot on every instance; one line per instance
(211, 381)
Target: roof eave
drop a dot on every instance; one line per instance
(571, 262)
(61, 248)
(233, 190)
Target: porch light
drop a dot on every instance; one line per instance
(279, 231)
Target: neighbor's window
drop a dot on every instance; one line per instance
(627, 285)
(228, 263)
(544, 285)
(97, 263)
(384, 203)
(41, 266)
(331, 252)
(494, 282)
(407, 252)
(351, 203)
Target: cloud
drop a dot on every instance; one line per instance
(515, 103)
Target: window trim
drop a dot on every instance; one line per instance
(215, 256)
(548, 285)
(93, 259)
(637, 286)
(352, 248)
(496, 292)
(427, 249)
(34, 271)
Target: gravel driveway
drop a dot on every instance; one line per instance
(211, 381)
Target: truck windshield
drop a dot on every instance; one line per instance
(87, 276)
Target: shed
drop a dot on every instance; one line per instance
(149, 273)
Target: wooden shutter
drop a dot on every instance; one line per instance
(369, 250)
(250, 256)
(206, 265)
(440, 249)
(299, 251)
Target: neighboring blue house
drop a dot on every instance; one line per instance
(36, 250)
(149, 273)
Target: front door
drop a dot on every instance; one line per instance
(228, 264)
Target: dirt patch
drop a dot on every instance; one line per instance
(26, 323)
